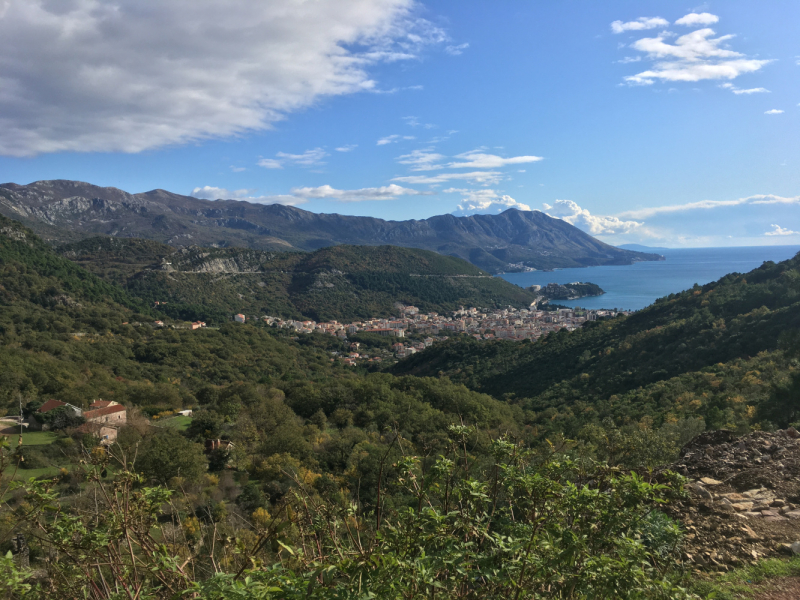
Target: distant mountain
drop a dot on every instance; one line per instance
(641, 248)
(66, 211)
(340, 282)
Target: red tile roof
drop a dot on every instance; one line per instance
(50, 405)
(101, 412)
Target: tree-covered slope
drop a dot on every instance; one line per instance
(734, 318)
(338, 282)
(31, 273)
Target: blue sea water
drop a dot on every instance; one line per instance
(635, 286)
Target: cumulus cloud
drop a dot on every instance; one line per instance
(695, 19)
(781, 231)
(695, 56)
(208, 192)
(476, 159)
(391, 139)
(485, 177)
(347, 148)
(127, 76)
(387, 192)
(306, 159)
(758, 199)
(581, 218)
(774, 111)
(739, 91)
(484, 202)
(639, 24)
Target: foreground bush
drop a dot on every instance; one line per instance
(522, 526)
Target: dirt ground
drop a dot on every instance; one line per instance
(784, 588)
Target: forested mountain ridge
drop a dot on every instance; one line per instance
(337, 282)
(64, 211)
(738, 318)
(33, 273)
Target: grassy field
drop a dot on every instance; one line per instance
(25, 474)
(32, 438)
(38, 438)
(180, 423)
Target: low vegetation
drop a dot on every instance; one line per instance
(470, 470)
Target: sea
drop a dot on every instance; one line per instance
(632, 287)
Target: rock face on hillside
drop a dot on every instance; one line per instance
(744, 499)
(67, 211)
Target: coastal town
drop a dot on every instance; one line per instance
(414, 331)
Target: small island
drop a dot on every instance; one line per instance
(567, 291)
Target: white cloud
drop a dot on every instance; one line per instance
(306, 159)
(387, 192)
(127, 75)
(695, 56)
(484, 202)
(781, 231)
(347, 148)
(739, 91)
(485, 177)
(581, 218)
(646, 213)
(424, 159)
(774, 111)
(391, 139)
(208, 192)
(236, 169)
(302, 195)
(694, 19)
(456, 50)
(629, 59)
(475, 159)
(639, 24)
(414, 122)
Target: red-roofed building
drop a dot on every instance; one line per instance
(114, 415)
(102, 404)
(50, 405)
(104, 419)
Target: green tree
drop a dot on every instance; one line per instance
(168, 454)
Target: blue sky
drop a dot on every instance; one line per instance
(660, 123)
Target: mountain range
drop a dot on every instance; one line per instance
(65, 211)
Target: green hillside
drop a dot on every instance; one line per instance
(115, 259)
(67, 334)
(340, 282)
(717, 326)
(34, 279)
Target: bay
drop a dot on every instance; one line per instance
(632, 287)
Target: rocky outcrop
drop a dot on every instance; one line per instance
(744, 497)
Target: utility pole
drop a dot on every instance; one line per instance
(19, 443)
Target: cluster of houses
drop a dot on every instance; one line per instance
(103, 417)
(483, 324)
